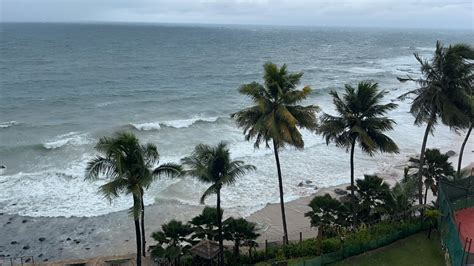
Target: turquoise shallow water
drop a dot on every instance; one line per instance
(65, 85)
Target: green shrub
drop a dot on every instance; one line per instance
(330, 245)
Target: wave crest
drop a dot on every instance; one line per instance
(178, 123)
(8, 124)
(71, 138)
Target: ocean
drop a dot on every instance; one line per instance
(63, 86)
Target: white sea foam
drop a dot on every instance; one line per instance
(71, 138)
(178, 123)
(147, 126)
(8, 124)
(182, 123)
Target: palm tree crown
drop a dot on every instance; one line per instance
(444, 87)
(360, 119)
(125, 163)
(276, 115)
(214, 166)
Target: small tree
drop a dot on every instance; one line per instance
(402, 196)
(436, 167)
(205, 225)
(241, 231)
(372, 195)
(327, 215)
(173, 241)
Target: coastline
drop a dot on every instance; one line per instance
(70, 238)
(50, 239)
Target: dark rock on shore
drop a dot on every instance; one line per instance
(451, 153)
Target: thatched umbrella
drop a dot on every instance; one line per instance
(206, 249)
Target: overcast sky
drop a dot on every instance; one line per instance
(457, 14)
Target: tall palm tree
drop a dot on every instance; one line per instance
(469, 130)
(443, 94)
(214, 166)
(360, 120)
(127, 165)
(276, 115)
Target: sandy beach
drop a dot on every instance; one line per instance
(50, 239)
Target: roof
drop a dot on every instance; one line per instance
(206, 249)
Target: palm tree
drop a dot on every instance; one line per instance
(213, 165)
(205, 225)
(241, 231)
(469, 130)
(127, 165)
(173, 241)
(436, 167)
(402, 196)
(373, 194)
(360, 120)
(443, 93)
(276, 115)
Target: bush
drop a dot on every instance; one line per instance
(352, 243)
(330, 245)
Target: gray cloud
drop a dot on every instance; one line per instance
(388, 13)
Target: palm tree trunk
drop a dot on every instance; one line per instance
(352, 183)
(462, 149)
(236, 247)
(426, 193)
(143, 227)
(422, 157)
(319, 239)
(280, 185)
(219, 225)
(136, 201)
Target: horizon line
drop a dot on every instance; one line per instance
(236, 24)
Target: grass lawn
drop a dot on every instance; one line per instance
(413, 250)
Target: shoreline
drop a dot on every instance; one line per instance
(50, 239)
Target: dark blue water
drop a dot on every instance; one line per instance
(65, 85)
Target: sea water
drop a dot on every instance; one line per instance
(63, 86)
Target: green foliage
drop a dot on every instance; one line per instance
(128, 166)
(205, 224)
(360, 240)
(173, 241)
(241, 232)
(330, 245)
(402, 196)
(360, 119)
(432, 215)
(213, 165)
(444, 87)
(372, 196)
(276, 114)
(327, 213)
